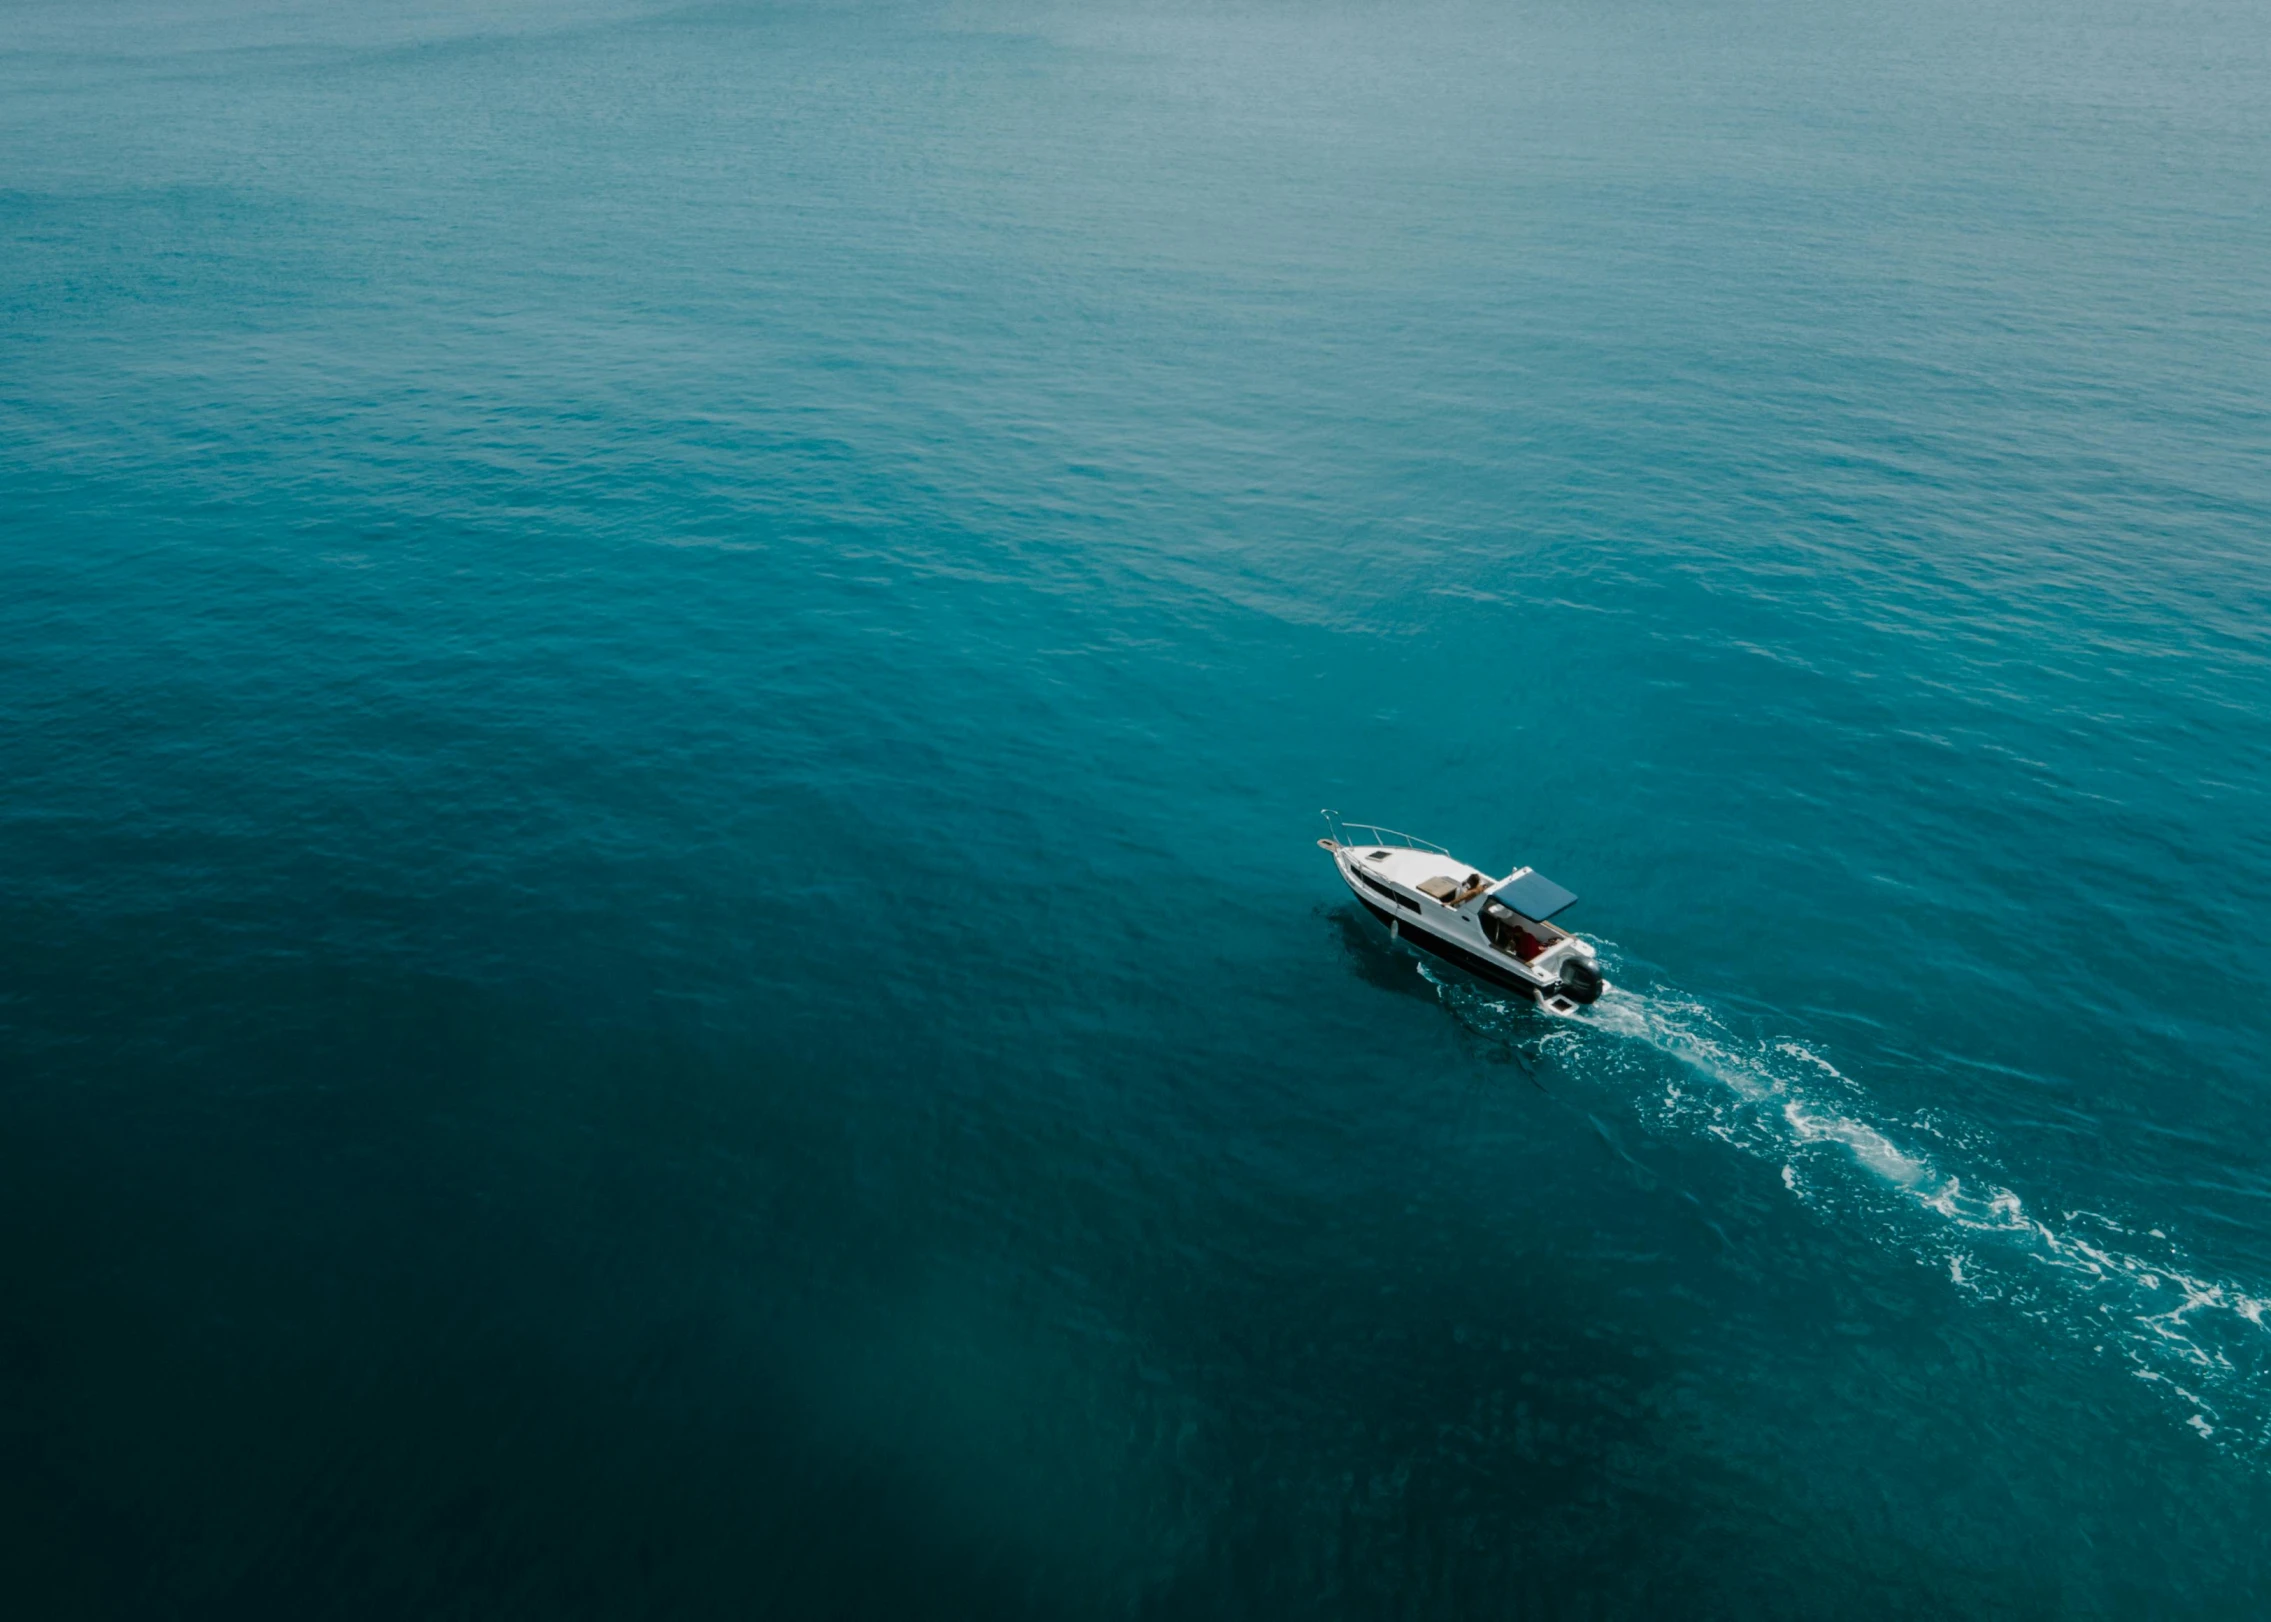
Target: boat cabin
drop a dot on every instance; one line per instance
(1512, 911)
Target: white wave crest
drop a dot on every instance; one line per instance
(2115, 1286)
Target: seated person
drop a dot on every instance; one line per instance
(1451, 892)
(1504, 927)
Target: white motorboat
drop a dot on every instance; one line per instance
(1496, 929)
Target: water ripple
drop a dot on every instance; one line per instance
(2123, 1287)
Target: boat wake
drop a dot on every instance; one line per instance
(2119, 1288)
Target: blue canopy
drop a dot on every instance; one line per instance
(1533, 895)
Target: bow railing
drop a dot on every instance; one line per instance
(1378, 835)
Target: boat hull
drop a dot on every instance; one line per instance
(1450, 952)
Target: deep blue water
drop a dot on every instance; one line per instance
(667, 675)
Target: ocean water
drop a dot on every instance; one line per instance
(667, 675)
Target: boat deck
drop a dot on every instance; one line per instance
(1412, 868)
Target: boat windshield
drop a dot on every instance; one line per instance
(1510, 932)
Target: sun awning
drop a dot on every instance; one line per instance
(1533, 895)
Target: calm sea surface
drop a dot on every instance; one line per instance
(665, 674)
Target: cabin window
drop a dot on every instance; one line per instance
(1371, 883)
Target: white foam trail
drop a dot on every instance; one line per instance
(2206, 1343)
(1684, 1031)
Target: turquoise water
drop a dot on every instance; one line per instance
(668, 674)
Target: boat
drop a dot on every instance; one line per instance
(1499, 930)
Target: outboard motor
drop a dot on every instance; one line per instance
(1580, 980)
